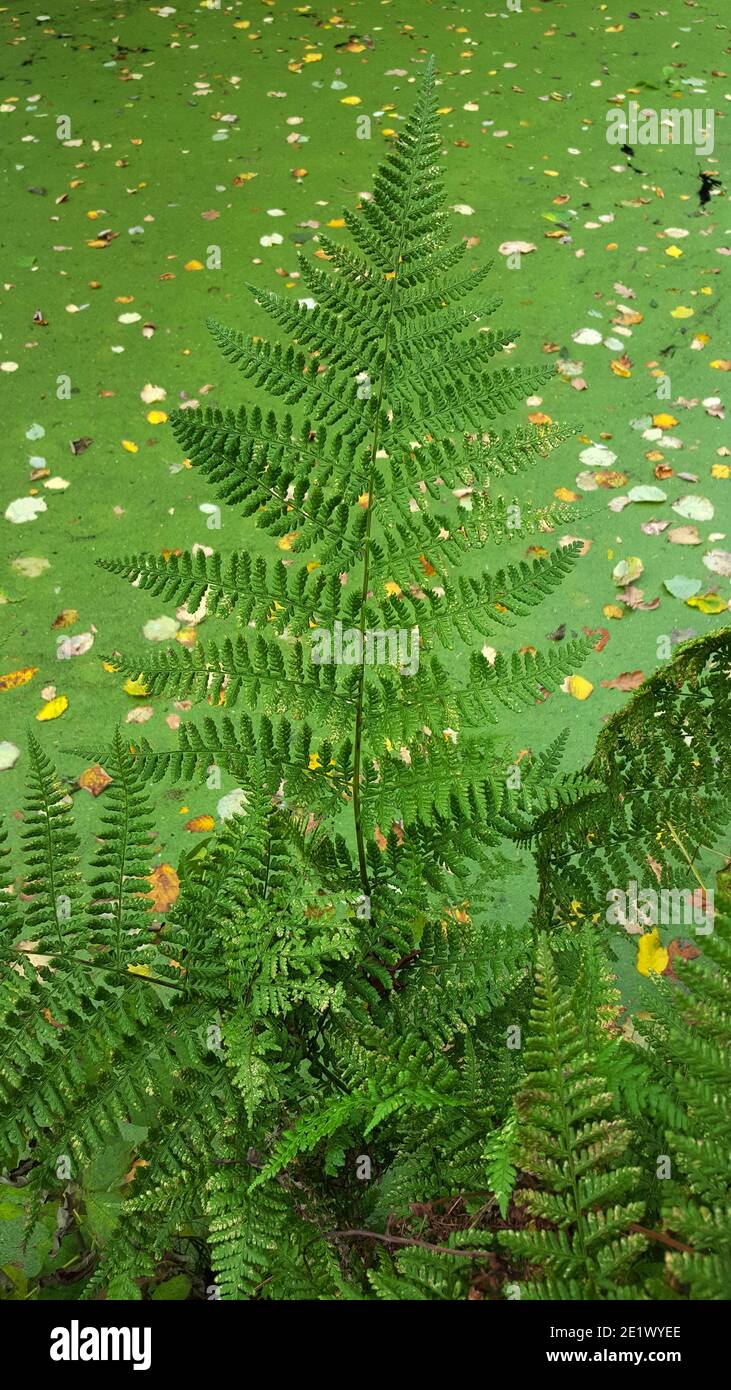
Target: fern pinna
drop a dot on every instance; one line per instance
(377, 487)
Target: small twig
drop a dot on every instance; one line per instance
(408, 1240)
(664, 1240)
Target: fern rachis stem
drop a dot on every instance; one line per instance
(358, 743)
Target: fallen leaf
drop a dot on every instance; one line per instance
(25, 509)
(627, 680)
(135, 687)
(684, 535)
(707, 603)
(578, 687)
(30, 566)
(682, 587)
(719, 562)
(199, 823)
(94, 779)
(53, 709)
(627, 571)
(165, 887)
(15, 678)
(9, 755)
(74, 646)
(66, 618)
(651, 954)
(694, 508)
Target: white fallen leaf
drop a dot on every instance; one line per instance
(25, 509)
(509, 248)
(30, 566)
(645, 493)
(74, 646)
(597, 456)
(234, 803)
(693, 507)
(680, 586)
(719, 562)
(587, 337)
(9, 755)
(160, 629)
(150, 393)
(139, 715)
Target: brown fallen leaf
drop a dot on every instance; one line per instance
(627, 680)
(603, 636)
(678, 950)
(66, 618)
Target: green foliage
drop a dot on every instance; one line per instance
(695, 1038)
(576, 1150)
(302, 1082)
(377, 485)
(656, 785)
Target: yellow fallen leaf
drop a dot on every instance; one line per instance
(564, 494)
(651, 954)
(613, 610)
(682, 312)
(392, 588)
(198, 823)
(286, 542)
(139, 969)
(53, 708)
(664, 422)
(15, 678)
(578, 687)
(135, 687)
(350, 101)
(312, 57)
(707, 603)
(721, 364)
(156, 417)
(130, 446)
(721, 470)
(193, 265)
